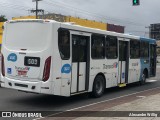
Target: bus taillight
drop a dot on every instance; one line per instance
(2, 65)
(47, 67)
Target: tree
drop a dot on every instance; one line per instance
(3, 18)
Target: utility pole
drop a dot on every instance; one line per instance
(37, 10)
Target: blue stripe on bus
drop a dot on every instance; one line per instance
(151, 41)
(142, 60)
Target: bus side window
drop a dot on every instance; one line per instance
(98, 46)
(144, 49)
(111, 47)
(134, 49)
(64, 43)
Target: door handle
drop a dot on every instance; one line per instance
(80, 74)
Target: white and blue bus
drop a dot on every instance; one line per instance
(49, 57)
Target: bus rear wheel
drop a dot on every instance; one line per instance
(98, 87)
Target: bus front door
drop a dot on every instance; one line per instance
(80, 63)
(153, 60)
(123, 62)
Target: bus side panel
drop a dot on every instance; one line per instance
(110, 67)
(134, 70)
(57, 63)
(62, 71)
(144, 65)
(96, 66)
(145, 62)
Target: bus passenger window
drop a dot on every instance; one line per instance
(111, 47)
(98, 45)
(64, 43)
(144, 49)
(134, 49)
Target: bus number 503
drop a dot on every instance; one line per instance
(32, 61)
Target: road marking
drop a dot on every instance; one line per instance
(151, 80)
(111, 99)
(38, 118)
(98, 102)
(141, 96)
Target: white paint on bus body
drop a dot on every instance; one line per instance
(39, 39)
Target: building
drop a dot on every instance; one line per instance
(158, 48)
(78, 21)
(24, 17)
(155, 31)
(62, 18)
(115, 28)
(87, 23)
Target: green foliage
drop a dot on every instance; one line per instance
(3, 18)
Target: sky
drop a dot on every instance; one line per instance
(136, 19)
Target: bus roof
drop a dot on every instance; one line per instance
(72, 26)
(150, 40)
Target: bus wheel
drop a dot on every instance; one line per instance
(98, 86)
(143, 80)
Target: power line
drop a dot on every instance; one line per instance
(63, 5)
(37, 10)
(11, 6)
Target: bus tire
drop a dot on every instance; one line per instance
(143, 80)
(98, 86)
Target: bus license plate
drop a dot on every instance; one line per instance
(32, 61)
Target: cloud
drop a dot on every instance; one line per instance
(135, 18)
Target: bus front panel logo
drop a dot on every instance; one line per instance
(66, 69)
(12, 57)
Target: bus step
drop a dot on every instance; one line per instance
(122, 85)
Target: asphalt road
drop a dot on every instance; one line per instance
(13, 100)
